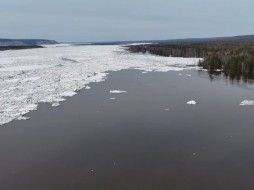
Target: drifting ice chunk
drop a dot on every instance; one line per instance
(192, 102)
(247, 103)
(113, 98)
(56, 104)
(87, 87)
(68, 94)
(117, 91)
(23, 118)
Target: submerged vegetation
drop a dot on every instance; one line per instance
(235, 59)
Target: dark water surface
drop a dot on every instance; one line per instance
(93, 143)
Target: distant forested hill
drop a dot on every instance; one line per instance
(25, 42)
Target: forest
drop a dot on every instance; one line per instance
(235, 59)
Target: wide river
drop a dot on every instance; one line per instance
(146, 138)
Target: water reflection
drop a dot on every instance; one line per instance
(243, 81)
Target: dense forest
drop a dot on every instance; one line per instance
(235, 59)
(4, 48)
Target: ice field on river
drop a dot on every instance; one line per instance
(29, 77)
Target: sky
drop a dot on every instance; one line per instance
(124, 20)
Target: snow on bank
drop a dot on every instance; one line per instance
(30, 76)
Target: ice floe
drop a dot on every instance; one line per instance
(247, 103)
(66, 94)
(117, 91)
(56, 104)
(192, 102)
(31, 76)
(31, 79)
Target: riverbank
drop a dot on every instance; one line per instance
(234, 58)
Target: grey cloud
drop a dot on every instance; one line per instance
(101, 20)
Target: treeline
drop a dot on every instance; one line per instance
(4, 48)
(235, 59)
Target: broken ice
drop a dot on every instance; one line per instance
(31, 76)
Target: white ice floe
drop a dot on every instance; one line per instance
(117, 91)
(22, 68)
(23, 118)
(247, 103)
(31, 76)
(87, 87)
(12, 80)
(68, 94)
(167, 109)
(31, 79)
(56, 104)
(113, 98)
(192, 102)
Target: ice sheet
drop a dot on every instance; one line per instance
(31, 76)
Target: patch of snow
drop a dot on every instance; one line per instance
(87, 87)
(247, 103)
(192, 102)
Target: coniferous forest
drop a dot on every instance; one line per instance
(235, 59)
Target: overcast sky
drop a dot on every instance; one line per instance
(114, 20)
